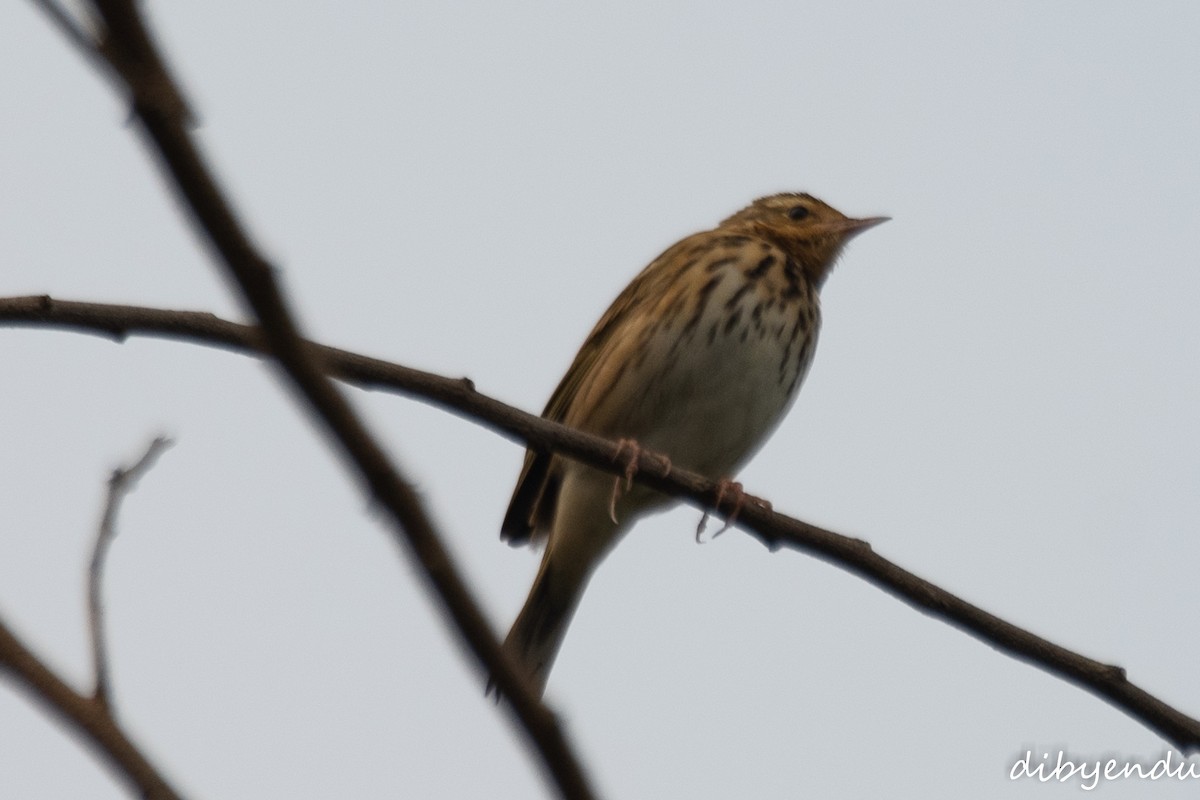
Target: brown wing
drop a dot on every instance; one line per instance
(531, 510)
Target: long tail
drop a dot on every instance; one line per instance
(538, 632)
(583, 531)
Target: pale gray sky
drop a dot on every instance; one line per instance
(1003, 401)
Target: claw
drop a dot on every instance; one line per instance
(726, 486)
(740, 498)
(631, 468)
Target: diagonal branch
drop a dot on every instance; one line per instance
(69, 27)
(773, 529)
(128, 47)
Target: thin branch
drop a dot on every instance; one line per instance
(773, 529)
(120, 484)
(71, 30)
(159, 106)
(92, 716)
(87, 716)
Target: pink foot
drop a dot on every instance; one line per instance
(738, 498)
(629, 451)
(724, 487)
(631, 461)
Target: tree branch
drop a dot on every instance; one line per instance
(773, 529)
(85, 715)
(70, 28)
(92, 716)
(128, 47)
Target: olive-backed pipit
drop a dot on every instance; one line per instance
(698, 359)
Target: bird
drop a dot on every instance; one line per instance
(697, 360)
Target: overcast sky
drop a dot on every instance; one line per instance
(1003, 401)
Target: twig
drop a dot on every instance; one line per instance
(773, 529)
(120, 484)
(71, 30)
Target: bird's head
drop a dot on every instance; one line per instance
(809, 230)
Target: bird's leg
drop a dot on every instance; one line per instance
(631, 468)
(739, 498)
(724, 486)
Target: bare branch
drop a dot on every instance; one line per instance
(92, 716)
(120, 484)
(773, 529)
(159, 106)
(71, 30)
(84, 714)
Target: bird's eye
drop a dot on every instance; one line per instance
(798, 212)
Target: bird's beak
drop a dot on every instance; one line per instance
(852, 227)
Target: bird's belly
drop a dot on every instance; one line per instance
(719, 392)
